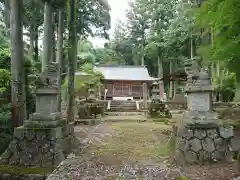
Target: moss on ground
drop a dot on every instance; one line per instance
(18, 170)
(182, 178)
(136, 142)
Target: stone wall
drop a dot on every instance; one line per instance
(207, 143)
(39, 147)
(179, 105)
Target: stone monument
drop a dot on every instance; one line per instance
(45, 139)
(203, 137)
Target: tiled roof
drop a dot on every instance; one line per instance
(124, 72)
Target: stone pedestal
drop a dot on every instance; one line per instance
(45, 139)
(39, 147)
(203, 138)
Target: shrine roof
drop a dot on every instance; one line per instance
(124, 72)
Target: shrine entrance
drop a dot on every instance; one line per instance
(121, 89)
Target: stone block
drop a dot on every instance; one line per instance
(208, 145)
(200, 134)
(43, 124)
(235, 144)
(180, 157)
(212, 133)
(199, 101)
(68, 129)
(191, 157)
(226, 132)
(41, 134)
(204, 156)
(56, 133)
(58, 158)
(30, 134)
(195, 144)
(185, 132)
(45, 117)
(19, 133)
(46, 100)
(182, 145)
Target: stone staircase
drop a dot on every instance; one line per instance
(123, 106)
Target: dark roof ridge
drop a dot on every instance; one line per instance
(121, 66)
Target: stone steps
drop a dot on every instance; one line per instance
(123, 106)
(130, 113)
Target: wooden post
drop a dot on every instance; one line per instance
(145, 91)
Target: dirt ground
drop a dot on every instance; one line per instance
(137, 150)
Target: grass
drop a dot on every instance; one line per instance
(136, 142)
(17, 170)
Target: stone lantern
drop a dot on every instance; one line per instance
(155, 97)
(45, 139)
(203, 137)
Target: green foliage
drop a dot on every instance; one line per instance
(5, 126)
(5, 79)
(222, 18)
(5, 75)
(17, 170)
(83, 81)
(226, 86)
(5, 58)
(93, 18)
(155, 29)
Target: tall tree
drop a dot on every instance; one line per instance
(47, 39)
(17, 73)
(72, 59)
(33, 19)
(222, 18)
(60, 52)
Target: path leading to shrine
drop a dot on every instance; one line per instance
(131, 150)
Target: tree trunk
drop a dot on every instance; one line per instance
(218, 68)
(160, 75)
(17, 64)
(53, 54)
(142, 56)
(7, 13)
(171, 81)
(60, 53)
(36, 44)
(31, 48)
(47, 31)
(191, 46)
(72, 58)
(174, 89)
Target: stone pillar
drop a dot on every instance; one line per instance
(45, 139)
(202, 136)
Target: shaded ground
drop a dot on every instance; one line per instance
(135, 150)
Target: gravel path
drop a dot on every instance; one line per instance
(90, 167)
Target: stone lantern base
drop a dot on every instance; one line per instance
(39, 147)
(204, 139)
